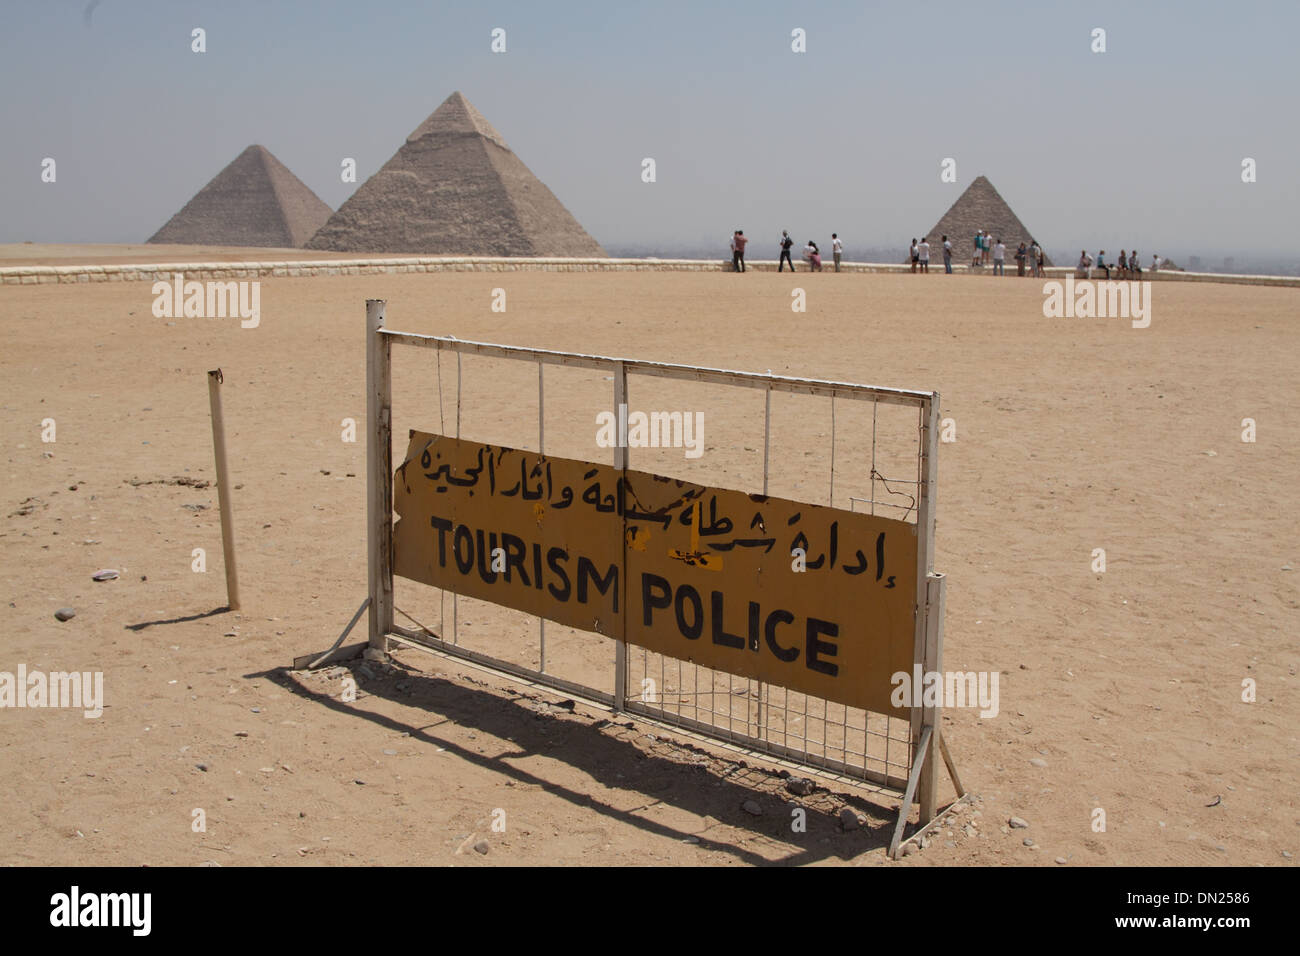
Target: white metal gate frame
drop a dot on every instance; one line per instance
(927, 743)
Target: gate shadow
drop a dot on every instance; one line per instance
(602, 746)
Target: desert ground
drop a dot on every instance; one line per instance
(1123, 688)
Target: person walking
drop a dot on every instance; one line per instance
(916, 255)
(740, 250)
(947, 256)
(837, 249)
(786, 243)
(923, 251)
(999, 257)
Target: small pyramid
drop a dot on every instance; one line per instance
(455, 188)
(254, 201)
(979, 207)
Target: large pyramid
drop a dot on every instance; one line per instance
(979, 207)
(255, 201)
(455, 188)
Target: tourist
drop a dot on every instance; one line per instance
(1155, 263)
(1035, 260)
(916, 254)
(1122, 265)
(1134, 265)
(999, 257)
(1021, 254)
(837, 249)
(988, 245)
(735, 258)
(813, 255)
(740, 249)
(923, 250)
(1084, 269)
(1101, 263)
(947, 256)
(979, 247)
(786, 243)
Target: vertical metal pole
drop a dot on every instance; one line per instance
(455, 598)
(923, 651)
(541, 450)
(379, 475)
(620, 463)
(767, 448)
(831, 497)
(223, 489)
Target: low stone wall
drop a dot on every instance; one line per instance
(202, 271)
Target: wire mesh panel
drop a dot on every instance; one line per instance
(851, 447)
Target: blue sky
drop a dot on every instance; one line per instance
(1141, 144)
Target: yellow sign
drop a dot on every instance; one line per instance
(802, 596)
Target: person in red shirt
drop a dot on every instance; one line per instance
(738, 257)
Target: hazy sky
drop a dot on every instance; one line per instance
(1142, 144)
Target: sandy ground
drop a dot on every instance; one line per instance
(1124, 687)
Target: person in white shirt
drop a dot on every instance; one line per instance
(999, 255)
(923, 250)
(947, 255)
(837, 248)
(916, 255)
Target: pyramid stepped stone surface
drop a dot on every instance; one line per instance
(979, 207)
(455, 188)
(254, 201)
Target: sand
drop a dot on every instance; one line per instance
(1072, 434)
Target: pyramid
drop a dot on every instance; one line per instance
(455, 188)
(254, 201)
(979, 207)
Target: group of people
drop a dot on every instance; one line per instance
(812, 254)
(1129, 265)
(986, 249)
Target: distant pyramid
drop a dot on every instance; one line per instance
(979, 207)
(255, 201)
(455, 188)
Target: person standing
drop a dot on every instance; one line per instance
(735, 258)
(999, 257)
(923, 251)
(947, 256)
(988, 247)
(740, 248)
(979, 247)
(786, 243)
(1035, 260)
(837, 249)
(1021, 255)
(916, 255)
